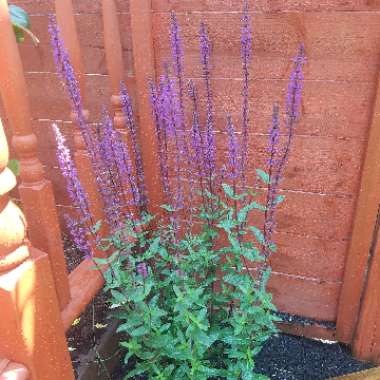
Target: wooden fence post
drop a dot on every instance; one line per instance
(35, 191)
(31, 329)
(114, 58)
(143, 56)
(362, 236)
(366, 344)
(66, 22)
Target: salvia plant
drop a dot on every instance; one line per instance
(189, 286)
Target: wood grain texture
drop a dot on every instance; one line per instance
(362, 234)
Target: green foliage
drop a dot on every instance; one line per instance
(21, 24)
(194, 311)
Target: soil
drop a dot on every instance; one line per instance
(87, 330)
(73, 256)
(286, 357)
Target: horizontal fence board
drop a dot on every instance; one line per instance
(334, 171)
(265, 5)
(313, 258)
(311, 299)
(228, 65)
(326, 35)
(82, 6)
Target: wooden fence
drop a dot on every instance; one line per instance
(39, 300)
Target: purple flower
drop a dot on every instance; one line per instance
(69, 172)
(177, 56)
(132, 128)
(161, 135)
(197, 143)
(111, 187)
(295, 87)
(293, 104)
(210, 138)
(79, 235)
(142, 270)
(274, 137)
(67, 74)
(80, 229)
(232, 150)
(246, 47)
(279, 157)
(171, 117)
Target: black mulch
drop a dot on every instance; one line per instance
(286, 357)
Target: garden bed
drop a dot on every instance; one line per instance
(286, 357)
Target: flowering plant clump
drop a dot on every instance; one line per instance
(189, 286)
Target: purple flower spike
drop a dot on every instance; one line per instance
(79, 229)
(177, 55)
(196, 134)
(132, 128)
(79, 235)
(232, 150)
(246, 47)
(161, 135)
(295, 87)
(67, 74)
(69, 172)
(274, 137)
(210, 138)
(279, 157)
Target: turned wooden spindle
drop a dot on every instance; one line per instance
(13, 251)
(144, 69)
(35, 191)
(31, 329)
(114, 59)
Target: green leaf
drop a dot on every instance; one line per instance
(228, 190)
(168, 208)
(107, 260)
(140, 331)
(14, 165)
(263, 176)
(119, 297)
(96, 227)
(137, 371)
(258, 234)
(251, 254)
(243, 212)
(21, 24)
(279, 199)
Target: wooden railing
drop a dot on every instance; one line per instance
(39, 300)
(50, 298)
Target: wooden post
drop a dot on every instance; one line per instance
(69, 34)
(366, 345)
(143, 55)
(114, 58)
(31, 329)
(35, 191)
(362, 234)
